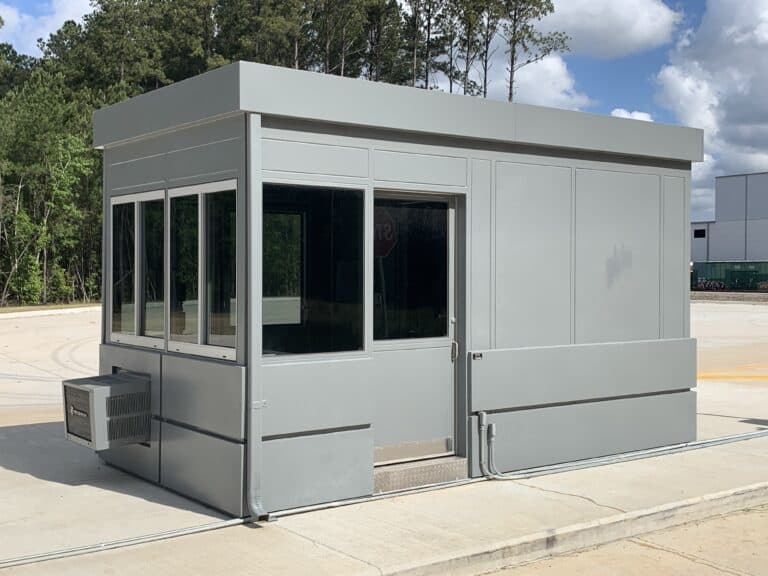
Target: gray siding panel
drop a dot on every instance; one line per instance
(757, 196)
(307, 470)
(757, 239)
(731, 199)
(419, 168)
(504, 379)
(617, 256)
(309, 158)
(675, 266)
(480, 231)
(544, 436)
(202, 467)
(700, 246)
(727, 241)
(204, 394)
(533, 255)
(317, 395)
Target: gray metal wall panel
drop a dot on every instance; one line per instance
(757, 196)
(544, 436)
(757, 239)
(533, 255)
(181, 103)
(140, 459)
(536, 376)
(617, 256)
(310, 158)
(727, 241)
(204, 394)
(306, 470)
(202, 467)
(700, 246)
(675, 263)
(731, 199)
(135, 360)
(413, 395)
(212, 151)
(480, 231)
(419, 168)
(317, 395)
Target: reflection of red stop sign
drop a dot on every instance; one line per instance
(384, 232)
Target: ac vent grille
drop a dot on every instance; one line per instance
(134, 426)
(124, 404)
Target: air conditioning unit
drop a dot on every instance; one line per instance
(108, 411)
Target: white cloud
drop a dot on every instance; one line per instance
(22, 30)
(716, 79)
(549, 83)
(634, 115)
(610, 29)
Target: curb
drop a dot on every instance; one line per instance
(48, 312)
(576, 537)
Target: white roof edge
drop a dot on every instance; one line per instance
(289, 93)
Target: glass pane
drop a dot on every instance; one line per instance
(152, 224)
(184, 269)
(123, 269)
(283, 263)
(313, 270)
(410, 285)
(220, 267)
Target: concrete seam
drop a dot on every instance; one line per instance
(580, 496)
(690, 557)
(331, 548)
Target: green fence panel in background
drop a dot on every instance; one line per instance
(730, 276)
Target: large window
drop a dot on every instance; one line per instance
(174, 269)
(123, 268)
(312, 270)
(410, 269)
(153, 225)
(221, 268)
(203, 269)
(185, 268)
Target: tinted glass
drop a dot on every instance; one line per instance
(220, 268)
(184, 268)
(700, 233)
(410, 269)
(123, 268)
(313, 270)
(152, 257)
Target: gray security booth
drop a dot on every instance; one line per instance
(329, 284)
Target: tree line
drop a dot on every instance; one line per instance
(50, 178)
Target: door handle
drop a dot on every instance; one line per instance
(454, 350)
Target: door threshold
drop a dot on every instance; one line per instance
(415, 473)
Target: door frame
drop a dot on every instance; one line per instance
(410, 451)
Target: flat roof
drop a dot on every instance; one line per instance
(296, 94)
(741, 174)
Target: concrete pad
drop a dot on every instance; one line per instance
(733, 544)
(241, 550)
(57, 495)
(738, 542)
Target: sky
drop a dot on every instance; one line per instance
(701, 63)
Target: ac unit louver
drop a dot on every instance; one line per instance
(104, 412)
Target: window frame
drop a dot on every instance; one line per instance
(366, 350)
(199, 348)
(382, 345)
(134, 339)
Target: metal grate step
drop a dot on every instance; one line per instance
(420, 473)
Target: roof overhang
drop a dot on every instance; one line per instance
(295, 94)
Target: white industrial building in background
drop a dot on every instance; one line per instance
(739, 232)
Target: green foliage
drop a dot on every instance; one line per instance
(50, 178)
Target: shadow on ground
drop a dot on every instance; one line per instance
(42, 452)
